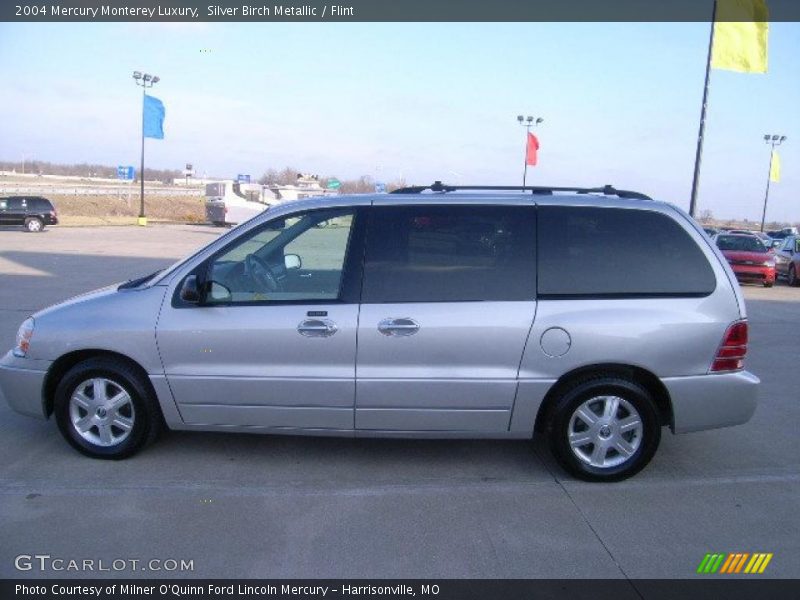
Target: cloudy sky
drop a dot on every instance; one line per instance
(620, 103)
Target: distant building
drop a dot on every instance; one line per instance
(304, 186)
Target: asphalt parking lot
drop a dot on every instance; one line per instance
(267, 506)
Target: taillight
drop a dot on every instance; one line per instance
(731, 353)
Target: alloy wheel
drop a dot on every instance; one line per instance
(605, 431)
(101, 412)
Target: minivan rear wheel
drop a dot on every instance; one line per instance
(34, 224)
(791, 277)
(105, 409)
(604, 429)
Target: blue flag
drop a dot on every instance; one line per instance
(153, 120)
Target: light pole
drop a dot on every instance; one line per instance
(772, 141)
(146, 81)
(527, 122)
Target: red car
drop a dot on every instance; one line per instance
(748, 257)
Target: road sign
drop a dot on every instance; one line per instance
(243, 178)
(334, 184)
(126, 173)
(380, 188)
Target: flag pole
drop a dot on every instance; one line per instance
(701, 132)
(525, 168)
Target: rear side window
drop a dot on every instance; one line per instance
(17, 203)
(39, 204)
(589, 251)
(450, 254)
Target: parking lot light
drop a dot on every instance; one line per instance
(772, 140)
(527, 122)
(146, 80)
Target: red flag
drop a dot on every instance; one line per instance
(532, 149)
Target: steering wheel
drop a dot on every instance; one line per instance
(258, 270)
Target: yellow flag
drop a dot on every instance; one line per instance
(775, 167)
(741, 29)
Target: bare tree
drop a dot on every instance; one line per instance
(706, 215)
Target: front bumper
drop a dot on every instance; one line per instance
(712, 401)
(21, 381)
(754, 273)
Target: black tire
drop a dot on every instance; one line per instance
(769, 284)
(791, 277)
(569, 402)
(147, 417)
(34, 224)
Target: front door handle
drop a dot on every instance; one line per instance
(401, 327)
(317, 328)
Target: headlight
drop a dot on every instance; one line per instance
(769, 263)
(24, 336)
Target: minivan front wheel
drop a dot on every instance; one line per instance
(605, 429)
(105, 409)
(34, 224)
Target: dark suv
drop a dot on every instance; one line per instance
(32, 212)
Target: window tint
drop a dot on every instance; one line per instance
(16, 203)
(299, 258)
(450, 254)
(587, 251)
(39, 204)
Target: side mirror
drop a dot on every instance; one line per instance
(189, 290)
(292, 262)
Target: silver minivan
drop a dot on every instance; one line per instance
(594, 316)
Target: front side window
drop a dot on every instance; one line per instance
(298, 258)
(450, 254)
(594, 251)
(3, 204)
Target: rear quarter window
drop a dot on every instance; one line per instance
(40, 204)
(592, 251)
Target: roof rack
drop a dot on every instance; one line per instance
(606, 190)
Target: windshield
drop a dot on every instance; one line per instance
(740, 243)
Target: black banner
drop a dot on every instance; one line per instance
(375, 10)
(445, 589)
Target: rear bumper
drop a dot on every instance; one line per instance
(712, 401)
(22, 387)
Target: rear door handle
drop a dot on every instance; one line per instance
(401, 327)
(317, 328)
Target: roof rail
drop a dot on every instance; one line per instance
(606, 190)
